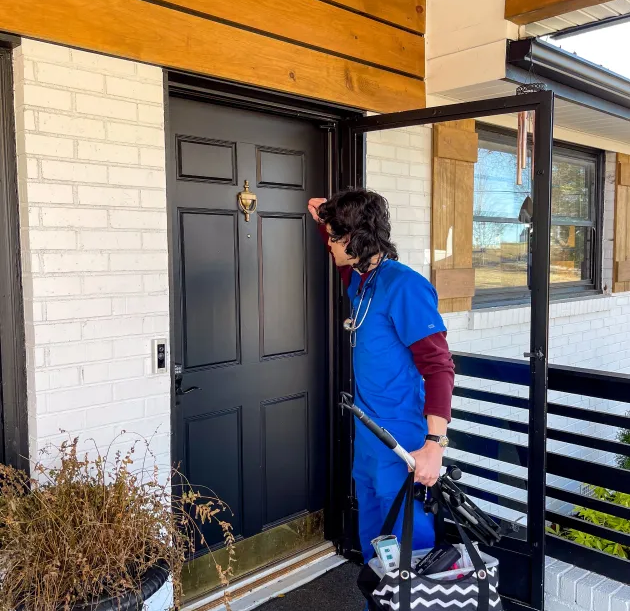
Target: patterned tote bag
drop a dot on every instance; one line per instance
(403, 590)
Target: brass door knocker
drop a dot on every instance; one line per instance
(247, 201)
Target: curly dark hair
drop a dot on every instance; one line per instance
(362, 216)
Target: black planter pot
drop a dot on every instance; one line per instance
(151, 582)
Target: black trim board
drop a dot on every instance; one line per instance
(12, 338)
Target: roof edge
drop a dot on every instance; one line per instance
(546, 60)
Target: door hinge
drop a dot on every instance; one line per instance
(538, 355)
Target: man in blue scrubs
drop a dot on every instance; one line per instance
(403, 369)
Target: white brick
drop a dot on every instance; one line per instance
(153, 158)
(110, 240)
(106, 107)
(136, 177)
(621, 600)
(585, 589)
(568, 584)
(26, 120)
(73, 172)
(57, 333)
(52, 240)
(151, 114)
(602, 595)
(115, 327)
(60, 378)
(123, 219)
(421, 170)
(56, 286)
(108, 196)
(65, 125)
(410, 184)
(117, 370)
(102, 63)
(112, 285)
(149, 73)
(46, 97)
(36, 49)
(37, 144)
(156, 324)
(72, 263)
(134, 346)
(155, 283)
(147, 305)
(69, 77)
(70, 422)
(76, 398)
(145, 262)
(134, 90)
(80, 353)
(114, 414)
(399, 168)
(155, 241)
(382, 151)
(153, 199)
(395, 136)
(147, 387)
(135, 134)
(49, 194)
(113, 153)
(78, 308)
(32, 168)
(74, 217)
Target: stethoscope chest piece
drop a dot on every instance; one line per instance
(348, 324)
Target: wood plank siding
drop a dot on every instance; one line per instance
(528, 11)
(360, 53)
(621, 243)
(455, 147)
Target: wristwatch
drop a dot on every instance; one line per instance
(441, 440)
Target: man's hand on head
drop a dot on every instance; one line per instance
(313, 206)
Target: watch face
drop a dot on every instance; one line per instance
(443, 441)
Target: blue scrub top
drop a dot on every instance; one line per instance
(388, 386)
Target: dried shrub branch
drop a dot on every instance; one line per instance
(91, 528)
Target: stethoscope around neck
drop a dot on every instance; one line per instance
(354, 323)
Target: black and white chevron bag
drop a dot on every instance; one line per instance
(403, 590)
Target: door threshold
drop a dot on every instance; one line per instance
(272, 582)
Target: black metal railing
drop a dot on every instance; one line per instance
(574, 381)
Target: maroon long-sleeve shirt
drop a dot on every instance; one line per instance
(431, 356)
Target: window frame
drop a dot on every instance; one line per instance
(508, 296)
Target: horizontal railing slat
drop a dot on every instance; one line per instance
(588, 472)
(589, 528)
(504, 451)
(489, 474)
(584, 500)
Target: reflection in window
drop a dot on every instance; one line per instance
(500, 241)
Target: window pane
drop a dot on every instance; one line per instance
(572, 182)
(570, 253)
(499, 255)
(496, 191)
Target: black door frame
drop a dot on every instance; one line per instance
(328, 116)
(353, 133)
(13, 398)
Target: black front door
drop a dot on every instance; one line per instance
(250, 312)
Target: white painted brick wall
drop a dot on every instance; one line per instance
(90, 141)
(593, 333)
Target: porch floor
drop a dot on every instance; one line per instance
(336, 590)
